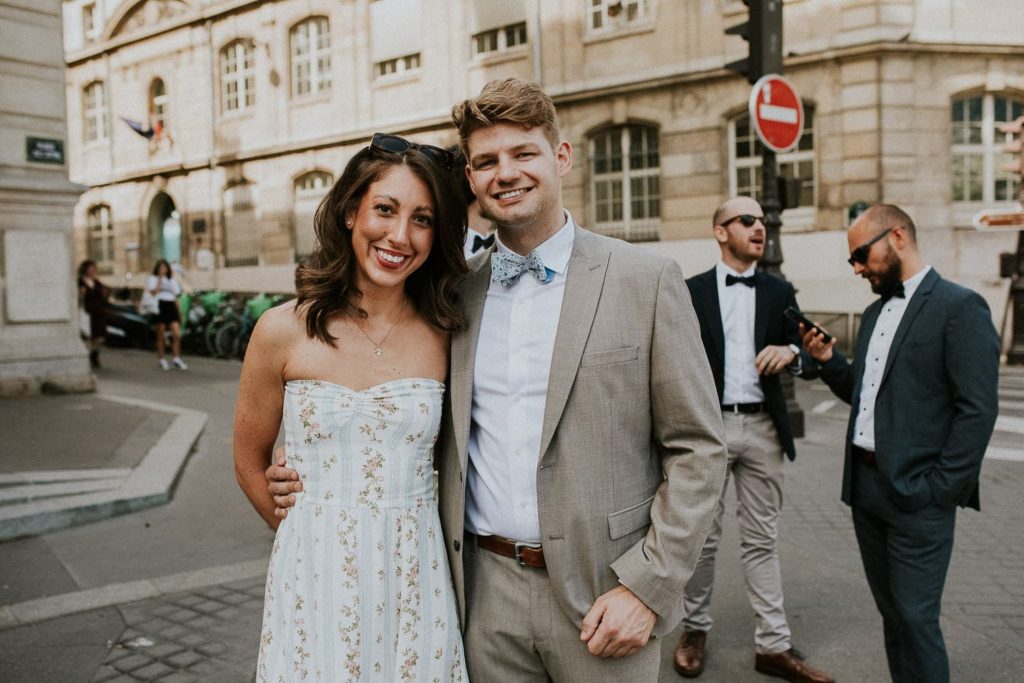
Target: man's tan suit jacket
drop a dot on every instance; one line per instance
(632, 455)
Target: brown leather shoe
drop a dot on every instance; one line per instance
(791, 666)
(689, 658)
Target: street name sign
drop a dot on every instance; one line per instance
(776, 112)
(1000, 219)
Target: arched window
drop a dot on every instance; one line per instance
(745, 160)
(101, 237)
(94, 111)
(237, 77)
(977, 156)
(310, 188)
(311, 57)
(625, 186)
(241, 231)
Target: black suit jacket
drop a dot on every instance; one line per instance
(771, 327)
(938, 399)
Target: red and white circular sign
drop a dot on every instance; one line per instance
(777, 113)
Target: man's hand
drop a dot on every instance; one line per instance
(618, 624)
(282, 482)
(773, 359)
(814, 344)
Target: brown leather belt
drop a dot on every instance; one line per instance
(867, 457)
(526, 554)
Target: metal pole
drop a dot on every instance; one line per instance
(1016, 354)
(771, 263)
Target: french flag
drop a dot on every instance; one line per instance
(137, 127)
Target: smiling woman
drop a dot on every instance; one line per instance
(355, 371)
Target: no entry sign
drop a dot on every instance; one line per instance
(776, 112)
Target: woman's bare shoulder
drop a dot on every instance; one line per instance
(282, 324)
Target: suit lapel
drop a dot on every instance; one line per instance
(713, 312)
(914, 306)
(474, 293)
(584, 281)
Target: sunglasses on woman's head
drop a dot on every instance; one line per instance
(396, 145)
(860, 254)
(746, 219)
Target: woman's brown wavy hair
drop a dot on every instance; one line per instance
(326, 288)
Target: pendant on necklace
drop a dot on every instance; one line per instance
(377, 350)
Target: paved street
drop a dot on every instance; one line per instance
(174, 592)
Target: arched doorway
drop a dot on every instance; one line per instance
(164, 230)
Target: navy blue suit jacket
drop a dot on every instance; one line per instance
(938, 400)
(771, 327)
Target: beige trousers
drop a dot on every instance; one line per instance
(515, 631)
(755, 466)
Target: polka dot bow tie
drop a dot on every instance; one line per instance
(506, 267)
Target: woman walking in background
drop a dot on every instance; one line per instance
(165, 287)
(92, 295)
(358, 587)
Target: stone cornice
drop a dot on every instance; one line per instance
(586, 91)
(198, 17)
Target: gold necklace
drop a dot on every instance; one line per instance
(378, 347)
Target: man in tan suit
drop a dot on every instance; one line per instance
(582, 455)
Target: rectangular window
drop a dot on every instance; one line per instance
(311, 57)
(398, 65)
(396, 40)
(976, 161)
(238, 79)
(626, 182)
(607, 15)
(94, 110)
(89, 22)
(101, 238)
(745, 160)
(498, 40)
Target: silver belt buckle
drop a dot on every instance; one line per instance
(519, 545)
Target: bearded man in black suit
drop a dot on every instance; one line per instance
(923, 395)
(749, 342)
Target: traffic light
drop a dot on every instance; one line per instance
(763, 30)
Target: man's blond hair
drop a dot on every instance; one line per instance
(509, 100)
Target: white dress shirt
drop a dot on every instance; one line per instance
(878, 353)
(510, 386)
(738, 304)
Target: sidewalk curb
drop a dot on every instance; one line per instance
(150, 482)
(41, 609)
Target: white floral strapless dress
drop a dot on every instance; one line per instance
(358, 587)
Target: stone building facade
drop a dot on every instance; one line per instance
(39, 345)
(253, 108)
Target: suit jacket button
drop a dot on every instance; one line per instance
(456, 545)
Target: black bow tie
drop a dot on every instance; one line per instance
(482, 242)
(898, 291)
(749, 281)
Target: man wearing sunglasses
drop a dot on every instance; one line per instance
(922, 390)
(749, 342)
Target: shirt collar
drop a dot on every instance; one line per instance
(911, 284)
(556, 250)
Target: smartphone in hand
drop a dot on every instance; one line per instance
(796, 316)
